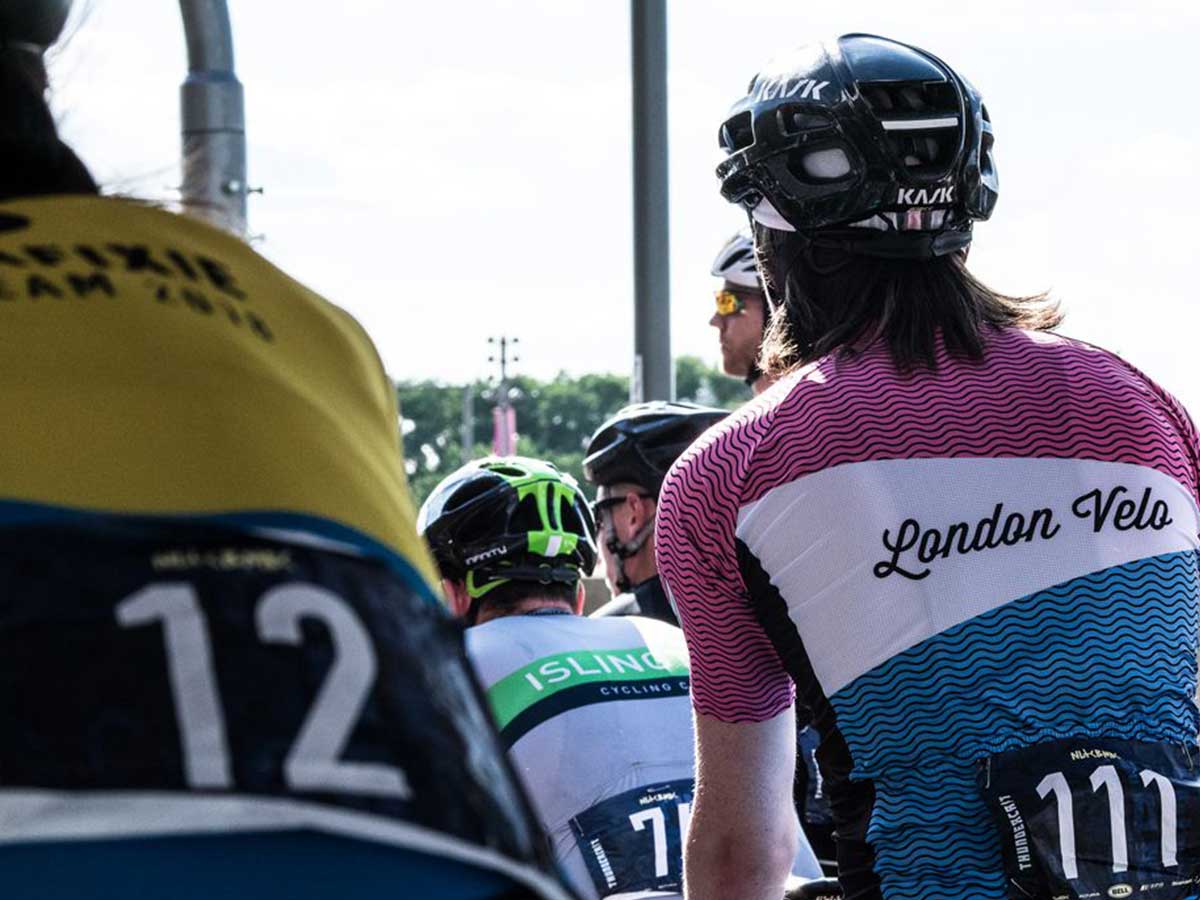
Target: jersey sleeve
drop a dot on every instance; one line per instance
(737, 675)
(1186, 451)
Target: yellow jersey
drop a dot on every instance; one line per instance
(222, 669)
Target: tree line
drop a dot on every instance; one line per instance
(555, 417)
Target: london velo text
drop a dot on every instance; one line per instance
(912, 547)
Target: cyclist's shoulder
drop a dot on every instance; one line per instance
(139, 248)
(518, 639)
(1027, 356)
(715, 462)
(1105, 378)
(514, 641)
(655, 629)
(625, 604)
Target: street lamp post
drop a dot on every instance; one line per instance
(214, 119)
(653, 373)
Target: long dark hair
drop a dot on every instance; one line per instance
(33, 160)
(827, 299)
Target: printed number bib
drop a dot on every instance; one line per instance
(146, 657)
(633, 842)
(1097, 818)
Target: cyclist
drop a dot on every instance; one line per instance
(511, 537)
(966, 543)
(224, 673)
(627, 458)
(741, 316)
(742, 312)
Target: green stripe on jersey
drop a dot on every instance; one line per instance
(545, 677)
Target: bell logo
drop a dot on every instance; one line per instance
(1117, 891)
(924, 196)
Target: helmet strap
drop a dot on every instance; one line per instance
(623, 550)
(472, 615)
(478, 593)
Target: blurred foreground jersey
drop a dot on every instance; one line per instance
(957, 568)
(222, 672)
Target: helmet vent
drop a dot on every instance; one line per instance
(526, 516)
(912, 99)
(508, 471)
(922, 121)
(797, 119)
(737, 133)
(465, 494)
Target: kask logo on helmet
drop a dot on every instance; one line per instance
(787, 86)
(925, 196)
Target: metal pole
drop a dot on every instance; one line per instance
(504, 417)
(466, 435)
(214, 119)
(653, 373)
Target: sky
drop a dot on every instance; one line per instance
(450, 172)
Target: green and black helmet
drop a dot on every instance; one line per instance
(510, 518)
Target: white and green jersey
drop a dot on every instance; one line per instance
(597, 718)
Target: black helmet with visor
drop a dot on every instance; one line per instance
(864, 143)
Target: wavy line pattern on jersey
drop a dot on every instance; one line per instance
(1108, 654)
(1034, 396)
(934, 839)
(742, 679)
(1111, 653)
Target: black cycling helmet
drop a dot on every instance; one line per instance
(502, 519)
(864, 143)
(642, 440)
(35, 24)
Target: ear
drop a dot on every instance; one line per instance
(641, 510)
(580, 596)
(457, 597)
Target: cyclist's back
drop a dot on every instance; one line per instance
(204, 543)
(978, 549)
(970, 543)
(595, 713)
(596, 716)
(223, 671)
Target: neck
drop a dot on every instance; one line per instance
(760, 384)
(643, 565)
(521, 607)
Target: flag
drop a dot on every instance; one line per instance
(504, 431)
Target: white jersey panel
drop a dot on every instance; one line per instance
(582, 755)
(925, 544)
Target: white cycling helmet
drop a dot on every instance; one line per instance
(735, 263)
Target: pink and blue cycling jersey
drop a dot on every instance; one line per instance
(940, 566)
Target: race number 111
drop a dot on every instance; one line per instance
(1106, 777)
